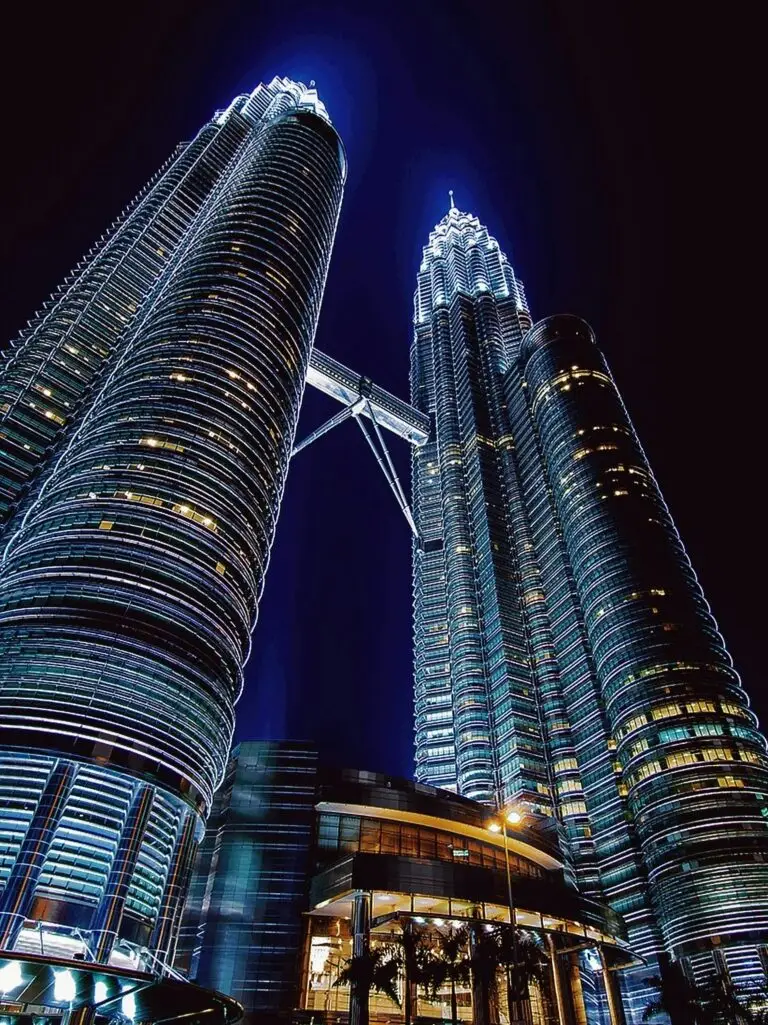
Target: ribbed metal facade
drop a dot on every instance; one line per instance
(477, 725)
(565, 657)
(136, 549)
(690, 759)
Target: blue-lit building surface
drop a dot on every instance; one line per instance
(302, 861)
(566, 662)
(147, 417)
(243, 921)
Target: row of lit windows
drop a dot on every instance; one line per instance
(697, 756)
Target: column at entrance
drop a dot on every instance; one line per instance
(558, 986)
(576, 990)
(361, 926)
(613, 996)
(20, 888)
(81, 1016)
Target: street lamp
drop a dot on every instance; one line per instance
(512, 818)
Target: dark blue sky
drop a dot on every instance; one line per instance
(614, 150)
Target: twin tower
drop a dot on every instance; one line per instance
(566, 661)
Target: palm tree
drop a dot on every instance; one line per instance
(716, 1002)
(415, 964)
(378, 969)
(484, 960)
(677, 997)
(758, 1005)
(451, 965)
(725, 1003)
(525, 962)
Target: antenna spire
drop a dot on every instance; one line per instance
(450, 193)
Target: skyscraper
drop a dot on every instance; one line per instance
(565, 657)
(148, 418)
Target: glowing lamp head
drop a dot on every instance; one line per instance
(514, 818)
(10, 977)
(494, 827)
(64, 986)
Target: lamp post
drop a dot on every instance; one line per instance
(512, 818)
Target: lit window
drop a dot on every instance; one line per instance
(729, 781)
(731, 709)
(700, 706)
(665, 711)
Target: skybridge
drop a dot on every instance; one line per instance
(365, 401)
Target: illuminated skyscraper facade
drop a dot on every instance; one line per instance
(565, 657)
(148, 417)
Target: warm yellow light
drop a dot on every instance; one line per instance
(495, 827)
(514, 817)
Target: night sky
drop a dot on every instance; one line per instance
(615, 150)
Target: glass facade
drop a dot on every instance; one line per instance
(148, 417)
(351, 833)
(565, 658)
(477, 724)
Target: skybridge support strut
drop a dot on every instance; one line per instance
(376, 443)
(334, 421)
(388, 470)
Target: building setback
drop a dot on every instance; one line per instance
(566, 661)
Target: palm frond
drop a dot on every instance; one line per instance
(377, 969)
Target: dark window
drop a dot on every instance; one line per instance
(349, 833)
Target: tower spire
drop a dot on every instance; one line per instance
(450, 193)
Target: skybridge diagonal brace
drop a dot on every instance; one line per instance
(334, 421)
(390, 464)
(358, 410)
(391, 478)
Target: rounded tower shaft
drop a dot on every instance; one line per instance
(50, 373)
(693, 764)
(129, 592)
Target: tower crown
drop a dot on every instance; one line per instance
(461, 256)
